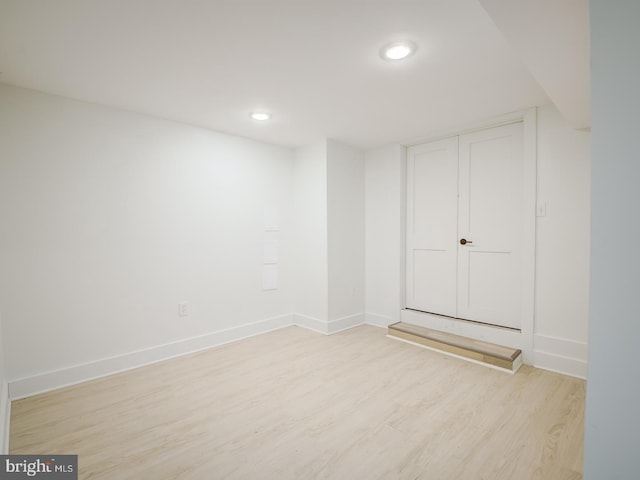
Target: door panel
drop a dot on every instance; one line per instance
(434, 294)
(432, 212)
(487, 297)
(490, 216)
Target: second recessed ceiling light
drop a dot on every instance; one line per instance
(398, 50)
(261, 116)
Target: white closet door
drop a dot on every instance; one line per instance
(432, 212)
(491, 222)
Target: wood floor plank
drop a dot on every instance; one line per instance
(293, 404)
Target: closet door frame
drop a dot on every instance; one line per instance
(522, 338)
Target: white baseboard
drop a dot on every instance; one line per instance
(311, 323)
(560, 355)
(53, 380)
(345, 323)
(379, 320)
(25, 387)
(328, 327)
(5, 418)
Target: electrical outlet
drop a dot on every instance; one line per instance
(183, 309)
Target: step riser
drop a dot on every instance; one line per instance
(455, 350)
(510, 365)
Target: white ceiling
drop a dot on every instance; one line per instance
(313, 63)
(552, 39)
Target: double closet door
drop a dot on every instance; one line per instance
(465, 226)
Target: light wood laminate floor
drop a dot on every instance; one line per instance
(293, 404)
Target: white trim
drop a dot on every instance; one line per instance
(505, 119)
(311, 323)
(376, 326)
(530, 189)
(561, 346)
(44, 382)
(5, 418)
(559, 364)
(554, 354)
(560, 355)
(402, 250)
(524, 338)
(328, 327)
(378, 320)
(517, 365)
(55, 379)
(345, 323)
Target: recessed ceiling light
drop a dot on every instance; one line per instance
(260, 116)
(398, 50)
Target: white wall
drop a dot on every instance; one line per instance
(345, 207)
(562, 245)
(329, 226)
(384, 203)
(612, 425)
(311, 263)
(560, 329)
(110, 219)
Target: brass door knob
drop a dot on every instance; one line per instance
(464, 241)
